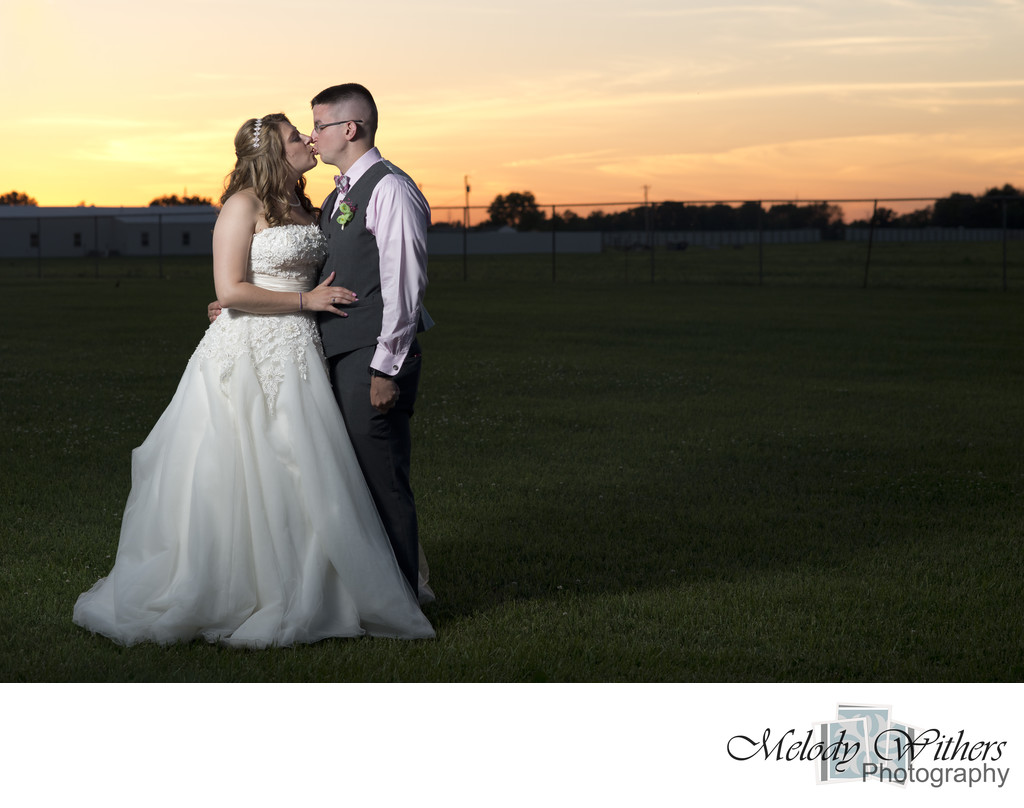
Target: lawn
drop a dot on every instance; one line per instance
(628, 481)
(843, 264)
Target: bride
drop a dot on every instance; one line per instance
(249, 522)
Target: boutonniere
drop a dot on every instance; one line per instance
(346, 213)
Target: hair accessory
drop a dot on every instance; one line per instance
(256, 133)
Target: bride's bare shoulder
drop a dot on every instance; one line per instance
(241, 202)
(242, 209)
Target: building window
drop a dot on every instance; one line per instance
(78, 239)
(145, 239)
(186, 239)
(33, 239)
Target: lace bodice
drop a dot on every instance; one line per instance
(282, 259)
(292, 252)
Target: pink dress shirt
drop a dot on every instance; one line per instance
(398, 217)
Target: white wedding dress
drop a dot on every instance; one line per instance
(249, 522)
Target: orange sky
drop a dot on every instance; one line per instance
(114, 103)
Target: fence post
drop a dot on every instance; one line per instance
(1004, 245)
(96, 242)
(625, 263)
(465, 242)
(465, 230)
(650, 235)
(553, 244)
(39, 247)
(871, 238)
(160, 244)
(760, 243)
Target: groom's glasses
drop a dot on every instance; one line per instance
(319, 127)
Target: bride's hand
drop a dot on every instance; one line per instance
(325, 297)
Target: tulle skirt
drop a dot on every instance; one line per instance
(251, 525)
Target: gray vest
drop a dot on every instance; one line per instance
(354, 258)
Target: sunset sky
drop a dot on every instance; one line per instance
(115, 103)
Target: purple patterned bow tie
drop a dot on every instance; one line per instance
(342, 182)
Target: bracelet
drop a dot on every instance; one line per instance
(300, 301)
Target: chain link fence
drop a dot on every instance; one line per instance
(961, 241)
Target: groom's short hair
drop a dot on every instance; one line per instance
(340, 93)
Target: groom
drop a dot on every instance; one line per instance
(376, 224)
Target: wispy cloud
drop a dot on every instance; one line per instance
(932, 7)
(711, 10)
(199, 148)
(850, 88)
(87, 123)
(881, 44)
(603, 9)
(941, 103)
(562, 160)
(838, 164)
(528, 107)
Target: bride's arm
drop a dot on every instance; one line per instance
(232, 236)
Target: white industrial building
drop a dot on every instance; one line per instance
(30, 232)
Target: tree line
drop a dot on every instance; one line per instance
(960, 210)
(23, 199)
(520, 211)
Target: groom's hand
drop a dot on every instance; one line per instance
(213, 310)
(383, 394)
(325, 297)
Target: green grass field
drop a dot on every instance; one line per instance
(962, 265)
(618, 481)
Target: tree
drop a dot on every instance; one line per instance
(884, 217)
(955, 210)
(568, 220)
(518, 210)
(749, 215)
(670, 216)
(916, 218)
(173, 200)
(17, 198)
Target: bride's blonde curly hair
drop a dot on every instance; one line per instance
(261, 166)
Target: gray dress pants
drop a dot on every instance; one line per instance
(383, 446)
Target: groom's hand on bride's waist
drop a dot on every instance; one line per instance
(213, 310)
